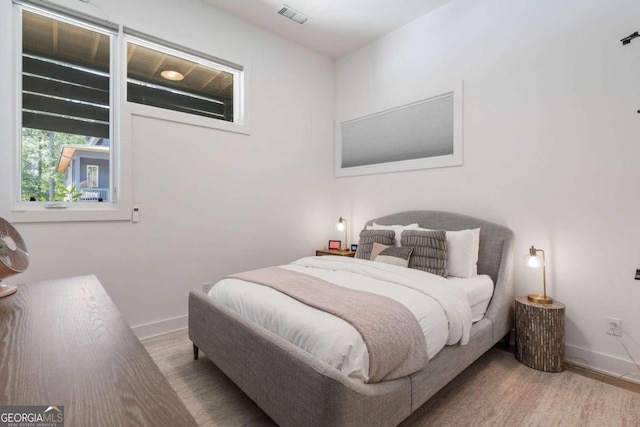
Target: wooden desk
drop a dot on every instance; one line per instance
(63, 342)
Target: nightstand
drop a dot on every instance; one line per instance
(540, 335)
(338, 252)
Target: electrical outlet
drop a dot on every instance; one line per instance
(614, 326)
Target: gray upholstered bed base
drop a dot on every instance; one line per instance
(296, 389)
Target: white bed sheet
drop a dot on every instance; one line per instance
(331, 338)
(479, 290)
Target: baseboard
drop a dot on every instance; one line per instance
(602, 363)
(160, 327)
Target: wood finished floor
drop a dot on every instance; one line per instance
(494, 391)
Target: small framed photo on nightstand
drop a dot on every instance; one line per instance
(335, 244)
(354, 248)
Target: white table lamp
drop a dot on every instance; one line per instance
(535, 260)
(342, 225)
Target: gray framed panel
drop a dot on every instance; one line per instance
(424, 134)
(424, 129)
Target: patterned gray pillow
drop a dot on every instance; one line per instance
(369, 237)
(394, 255)
(429, 250)
(376, 249)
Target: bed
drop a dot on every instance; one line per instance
(296, 388)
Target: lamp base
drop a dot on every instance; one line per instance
(540, 299)
(6, 290)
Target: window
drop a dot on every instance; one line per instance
(66, 110)
(92, 176)
(79, 83)
(173, 79)
(90, 186)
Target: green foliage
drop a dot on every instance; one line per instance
(40, 152)
(64, 194)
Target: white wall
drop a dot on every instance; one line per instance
(550, 144)
(212, 202)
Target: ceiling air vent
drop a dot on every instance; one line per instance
(294, 15)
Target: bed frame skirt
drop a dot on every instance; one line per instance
(296, 389)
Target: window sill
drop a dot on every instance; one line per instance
(23, 213)
(178, 117)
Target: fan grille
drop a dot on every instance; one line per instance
(14, 257)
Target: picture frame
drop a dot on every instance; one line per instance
(354, 248)
(334, 244)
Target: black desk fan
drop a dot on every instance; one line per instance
(14, 257)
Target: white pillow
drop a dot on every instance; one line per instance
(398, 229)
(462, 252)
(476, 249)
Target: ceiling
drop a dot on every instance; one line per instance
(335, 27)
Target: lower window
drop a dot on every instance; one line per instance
(65, 139)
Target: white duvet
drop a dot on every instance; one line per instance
(442, 311)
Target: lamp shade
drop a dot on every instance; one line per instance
(536, 259)
(342, 226)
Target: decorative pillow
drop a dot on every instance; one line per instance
(462, 252)
(429, 250)
(398, 229)
(376, 249)
(369, 237)
(395, 256)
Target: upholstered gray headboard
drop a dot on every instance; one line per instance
(495, 239)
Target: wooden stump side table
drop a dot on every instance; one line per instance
(540, 335)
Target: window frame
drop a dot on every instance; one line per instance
(241, 115)
(118, 208)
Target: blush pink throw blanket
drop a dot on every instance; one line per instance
(394, 338)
